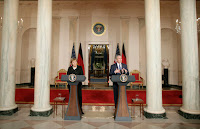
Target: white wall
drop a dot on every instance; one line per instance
(28, 48)
(142, 49)
(55, 49)
(171, 52)
(199, 50)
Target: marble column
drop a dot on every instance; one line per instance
(154, 107)
(8, 58)
(190, 61)
(42, 105)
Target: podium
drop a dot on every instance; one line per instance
(73, 110)
(122, 112)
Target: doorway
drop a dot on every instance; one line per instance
(98, 67)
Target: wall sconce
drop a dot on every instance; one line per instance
(19, 23)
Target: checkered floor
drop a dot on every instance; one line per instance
(95, 117)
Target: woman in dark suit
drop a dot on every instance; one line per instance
(77, 70)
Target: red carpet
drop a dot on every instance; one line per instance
(95, 97)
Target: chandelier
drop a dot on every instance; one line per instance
(19, 24)
(99, 49)
(178, 26)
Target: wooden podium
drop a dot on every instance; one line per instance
(73, 110)
(122, 112)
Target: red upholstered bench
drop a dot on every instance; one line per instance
(138, 79)
(58, 78)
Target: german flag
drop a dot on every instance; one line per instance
(123, 55)
(80, 59)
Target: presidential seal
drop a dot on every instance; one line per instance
(72, 77)
(98, 29)
(123, 78)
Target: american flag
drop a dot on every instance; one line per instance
(73, 52)
(117, 52)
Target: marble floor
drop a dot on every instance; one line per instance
(95, 117)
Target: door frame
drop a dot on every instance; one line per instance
(87, 55)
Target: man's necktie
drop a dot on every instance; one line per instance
(120, 67)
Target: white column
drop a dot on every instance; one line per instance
(8, 58)
(154, 107)
(190, 61)
(42, 105)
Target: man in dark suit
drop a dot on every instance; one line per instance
(118, 69)
(77, 70)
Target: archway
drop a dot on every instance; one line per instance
(27, 53)
(171, 50)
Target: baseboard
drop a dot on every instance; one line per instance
(29, 84)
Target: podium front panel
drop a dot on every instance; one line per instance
(73, 110)
(122, 111)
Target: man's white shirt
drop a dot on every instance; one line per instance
(119, 64)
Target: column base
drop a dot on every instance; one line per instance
(44, 113)
(189, 116)
(155, 116)
(8, 112)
